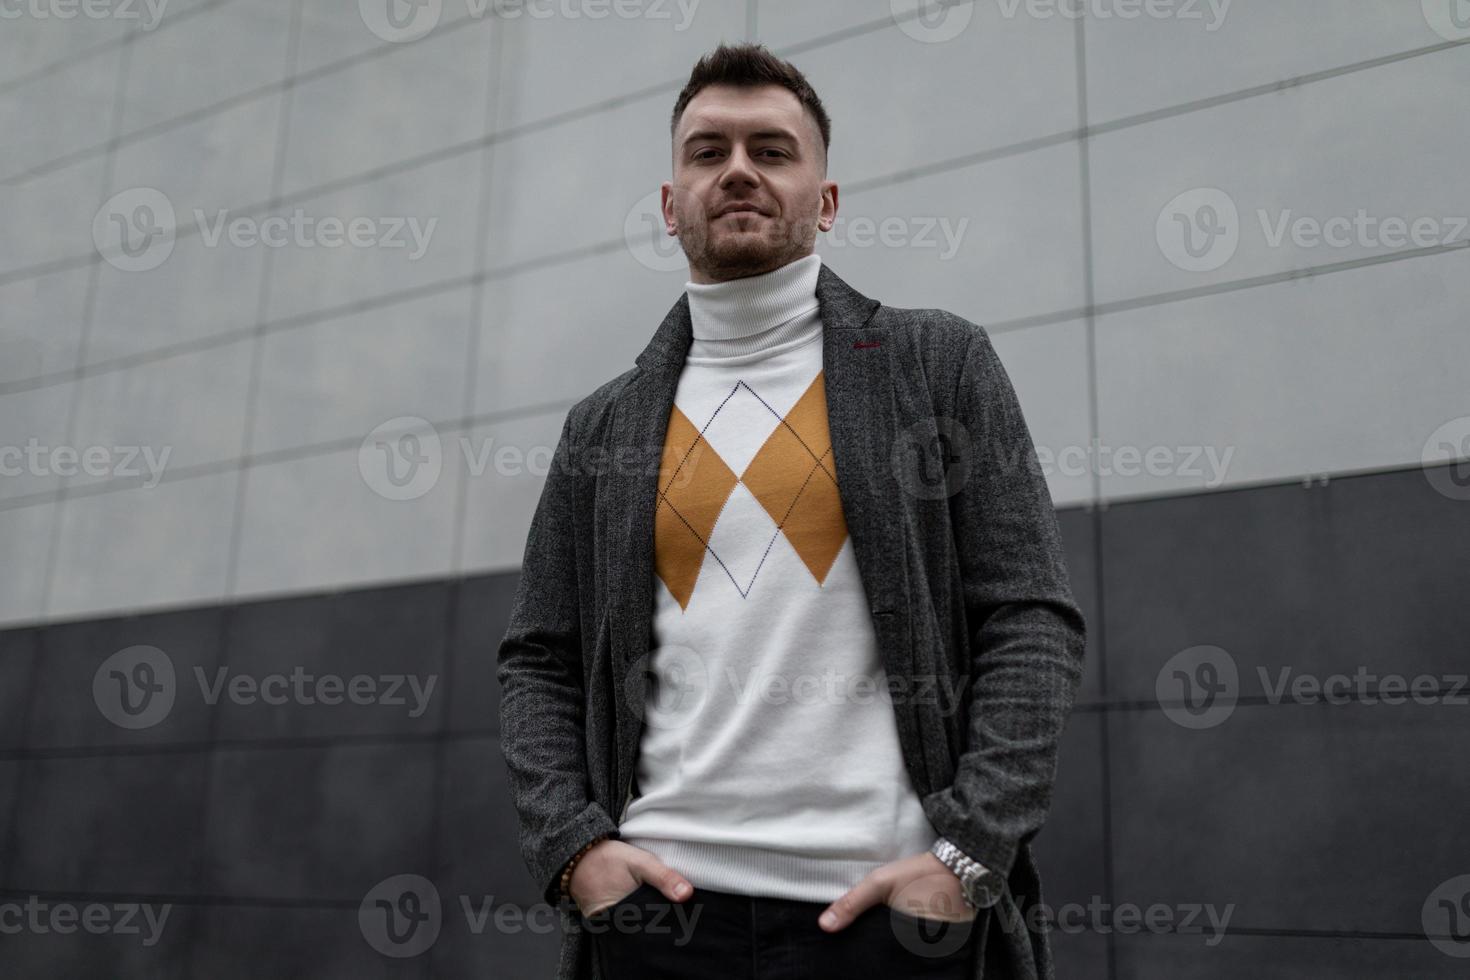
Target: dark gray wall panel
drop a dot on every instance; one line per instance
(480, 863)
(510, 951)
(478, 850)
(1306, 817)
(1148, 957)
(157, 952)
(318, 822)
(1365, 571)
(1400, 584)
(109, 823)
(376, 633)
(9, 804)
(483, 614)
(1079, 540)
(249, 943)
(1071, 846)
(66, 711)
(1079, 954)
(17, 662)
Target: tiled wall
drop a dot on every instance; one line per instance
(1066, 158)
(1030, 161)
(265, 827)
(1284, 809)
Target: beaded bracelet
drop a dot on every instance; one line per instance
(566, 874)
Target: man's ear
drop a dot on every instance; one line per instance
(827, 214)
(666, 207)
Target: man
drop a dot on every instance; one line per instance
(794, 688)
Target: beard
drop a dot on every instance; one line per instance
(722, 251)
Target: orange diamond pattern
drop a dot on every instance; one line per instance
(793, 476)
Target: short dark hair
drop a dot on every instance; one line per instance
(749, 65)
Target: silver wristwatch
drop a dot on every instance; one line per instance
(980, 887)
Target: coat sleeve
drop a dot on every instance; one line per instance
(542, 694)
(1027, 633)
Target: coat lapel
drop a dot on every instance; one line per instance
(860, 364)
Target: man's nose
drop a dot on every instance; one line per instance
(739, 167)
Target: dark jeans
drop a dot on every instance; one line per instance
(718, 934)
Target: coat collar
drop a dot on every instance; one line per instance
(860, 362)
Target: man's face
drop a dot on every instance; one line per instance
(755, 149)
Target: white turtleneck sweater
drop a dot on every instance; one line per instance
(769, 762)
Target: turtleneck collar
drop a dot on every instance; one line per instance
(742, 316)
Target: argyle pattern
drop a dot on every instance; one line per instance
(707, 511)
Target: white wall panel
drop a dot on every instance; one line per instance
(1335, 373)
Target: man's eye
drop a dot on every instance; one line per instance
(704, 154)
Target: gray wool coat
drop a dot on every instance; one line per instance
(958, 548)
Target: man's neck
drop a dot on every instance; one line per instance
(741, 315)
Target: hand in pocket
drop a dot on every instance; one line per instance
(613, 870)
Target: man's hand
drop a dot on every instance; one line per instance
(613, 870)
(920, 886)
